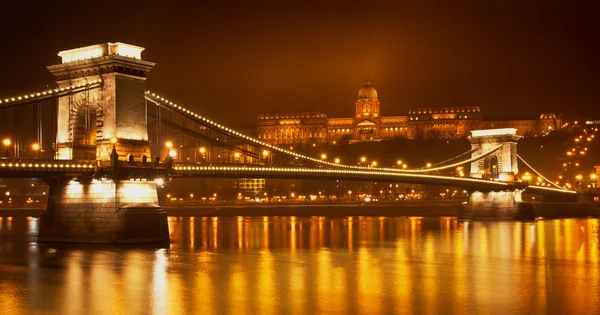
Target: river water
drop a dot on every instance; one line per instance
(310, 265)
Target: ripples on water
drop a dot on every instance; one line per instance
(305, 265)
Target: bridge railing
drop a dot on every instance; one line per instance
(20, 164)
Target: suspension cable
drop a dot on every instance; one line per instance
(452, 158)
(538, 173)
(475, 158)
(172, 107)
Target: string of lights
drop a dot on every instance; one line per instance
(187, 170)
(537, 173)
(45, 165)
(452, 158)
(56, 92)
(161, 101)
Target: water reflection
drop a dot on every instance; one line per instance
(299, 265)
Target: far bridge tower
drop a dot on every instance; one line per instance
(502, 164)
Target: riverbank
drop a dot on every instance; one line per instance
(421, 208)
(413, 208)
(432, 208)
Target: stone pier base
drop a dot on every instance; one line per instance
(497, 204)
(104, 212)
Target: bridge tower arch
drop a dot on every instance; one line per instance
(502, 164)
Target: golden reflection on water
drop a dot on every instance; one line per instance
(300, 265)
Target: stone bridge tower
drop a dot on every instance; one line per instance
(503, 163)
(87, 121)
(107, 124)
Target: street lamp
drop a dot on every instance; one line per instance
(578, 177)
(6, 142)
(323, 156)
(363, 159)
(337, 160)
(202, 151)
(428, 164)
(374, 163)
(266, 155)
(36, 149)
(399, 162)
(169, 144)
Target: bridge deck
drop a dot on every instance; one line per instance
(63, 168)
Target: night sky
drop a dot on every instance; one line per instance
(232, 61)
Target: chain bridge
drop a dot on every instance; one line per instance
(98, 137)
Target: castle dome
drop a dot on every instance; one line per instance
(367, 92)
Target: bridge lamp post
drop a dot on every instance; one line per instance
(236, 155)
(428, 165)
(578, 178)
(593, 179)
(7, 142)
(169, 145)
(267, 156)
(404, 166)
(323, 156)
(203, 153)
(363, 159)
(399, 163)
(374, 164)
(337, 160)
(36, 149)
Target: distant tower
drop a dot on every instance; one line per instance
(502, 164)
(367, 102)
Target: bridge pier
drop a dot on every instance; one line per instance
(505, 204)
(103, 212)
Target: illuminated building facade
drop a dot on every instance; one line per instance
(369, 125)
(250, 185)
(528, 127)
(292, 128)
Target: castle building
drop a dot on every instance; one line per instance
(369, 125)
